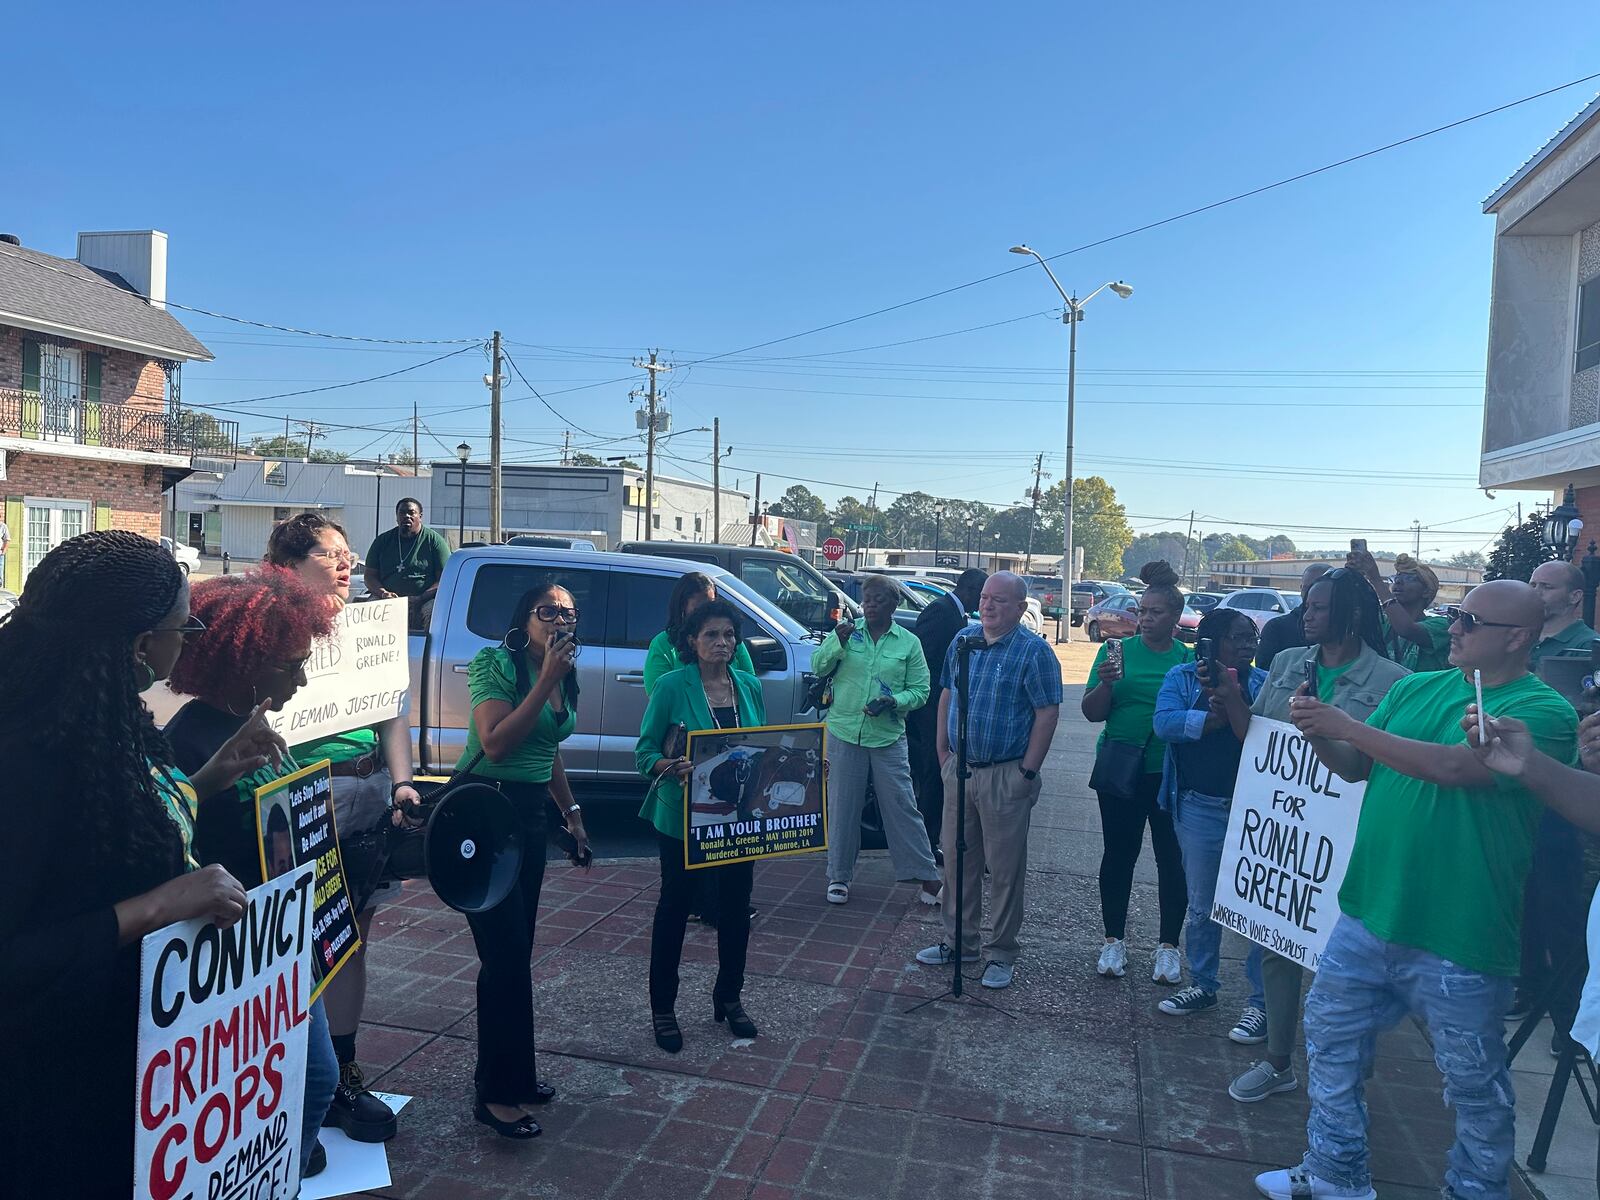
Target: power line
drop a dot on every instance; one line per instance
(351, 382)
(505, 354)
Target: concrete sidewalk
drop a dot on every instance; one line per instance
(1079, 1089)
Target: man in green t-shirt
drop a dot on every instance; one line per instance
(407, 561)
(1432, 899)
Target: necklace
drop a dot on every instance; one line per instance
(733, 702)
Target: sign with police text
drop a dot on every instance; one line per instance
(354, 678)
(295, 827)
(222, 1051)
(758, 792)
(1290, 830)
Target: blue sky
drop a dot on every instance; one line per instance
(595, 180)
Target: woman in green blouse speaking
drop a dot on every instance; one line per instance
(524, 705)
(688, 594)
(709, 693)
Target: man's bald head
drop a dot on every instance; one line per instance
(1000, 607)
(1310, 575)
(1560, 589)
(1509, 615)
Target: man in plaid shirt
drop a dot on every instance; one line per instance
(1015, 697)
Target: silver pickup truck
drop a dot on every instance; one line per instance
(622, 605)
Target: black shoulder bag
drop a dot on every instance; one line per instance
(1118, 767)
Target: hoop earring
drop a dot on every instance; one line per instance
(149, 680)
(254, 700)
(516, 640)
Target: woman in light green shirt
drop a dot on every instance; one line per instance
(688, 594)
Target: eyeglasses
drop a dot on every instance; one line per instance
(554, 612)
(190, 628)
(342, 558)
(1470, 621)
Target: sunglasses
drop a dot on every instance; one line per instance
(554, 612)
(1470, 621)
(190, 628)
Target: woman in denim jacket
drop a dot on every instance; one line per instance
(1203, 721)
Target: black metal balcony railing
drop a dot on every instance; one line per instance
(115, 426)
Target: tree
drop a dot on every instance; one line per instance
(201, 431)
(1519, 549)
(580, 459)
(801, 504)
(628, 462)
(1185, 554)
(1099, 525)
(1467, 558)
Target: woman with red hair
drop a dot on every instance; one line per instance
(371, 786)
(258, 633)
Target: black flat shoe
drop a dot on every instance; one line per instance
(668, 1036)
(543, 1093)
(520, 1130)
(739, 1022)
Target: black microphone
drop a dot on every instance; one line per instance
(973, 642)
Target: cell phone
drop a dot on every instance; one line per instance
(1205, 650)
(1114, 653)
(569, 846)
(1358, 545)
(1311, 678)
(1477, 687)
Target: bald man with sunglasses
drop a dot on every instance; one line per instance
(1432, 900)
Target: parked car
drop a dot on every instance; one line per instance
(1259, 604)
(188, 557)
(1188, 625)
(1203, 602)
(622, 602)
(948, 574)
(791, 583)
(905, 612)
(1046, 589)
(545, 541)
(1089, 592)
(1114, 617)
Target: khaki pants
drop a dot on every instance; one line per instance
(999, 808)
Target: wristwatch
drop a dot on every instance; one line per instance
(1030, 776)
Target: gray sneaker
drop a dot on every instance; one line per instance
(1261, 1081)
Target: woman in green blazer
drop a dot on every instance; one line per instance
(707, 694)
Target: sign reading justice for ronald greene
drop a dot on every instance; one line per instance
(1290, 830)
(355, 678)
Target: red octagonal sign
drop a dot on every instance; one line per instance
(833, 550)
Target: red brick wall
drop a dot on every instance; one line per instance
(132, 492)
(124, 378)
(1588, 502)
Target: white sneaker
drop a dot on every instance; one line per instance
(1113, 960)
(1297, 1183)
(1168, 967)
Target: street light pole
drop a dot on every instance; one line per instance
(1072, 315)
(938, 516)
(463, 452)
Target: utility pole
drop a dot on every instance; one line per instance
(1033, 516)
(650, 441)
(311, 432)
(495, 530)
(566, 447)
(1416, 529)
(416, 447)
(755, 513)
(1188, 546)
(716, 480)
(872, 514)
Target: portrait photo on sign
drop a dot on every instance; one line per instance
(755, 793)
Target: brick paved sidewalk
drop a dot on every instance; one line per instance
(1084, 1090)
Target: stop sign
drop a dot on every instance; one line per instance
(833, 550)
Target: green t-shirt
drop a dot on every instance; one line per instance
(1133, 697)
(493, 676)
(1328, 678)
(341, 747)
(408, 566)
(1443, 868)
(1412, 657)
(662, 657)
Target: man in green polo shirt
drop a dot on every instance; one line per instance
(1432, 900)
(407, 561)
(1552, 918)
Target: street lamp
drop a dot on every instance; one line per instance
(1072, 315)
(938, 516)
(1563, 527)
(463, 452)
(997, 551)
(971, 527)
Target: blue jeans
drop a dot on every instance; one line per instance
(1201, 823)
(1363, 986)
(322, 1076)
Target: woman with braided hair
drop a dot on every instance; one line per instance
(97, 849)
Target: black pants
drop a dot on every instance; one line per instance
(732, 895)
(926, 781)
(504, 937)
(1554, 914)
(1122, 824)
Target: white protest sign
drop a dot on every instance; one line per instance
(355, 678)
(222, 1051)
(1290, 830)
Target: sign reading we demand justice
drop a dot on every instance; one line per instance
(357, 677)
(222, 1051)
(1290, 831)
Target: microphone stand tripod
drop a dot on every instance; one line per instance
(964, 649)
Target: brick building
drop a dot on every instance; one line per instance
(91, 432)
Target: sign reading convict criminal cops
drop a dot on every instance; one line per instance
(755, 793)
(222, 1051)
(356, 677)
(1290, 830)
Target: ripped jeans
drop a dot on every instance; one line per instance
(1363, 986)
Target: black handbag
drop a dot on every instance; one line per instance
(1118, 767)
(819, 692)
